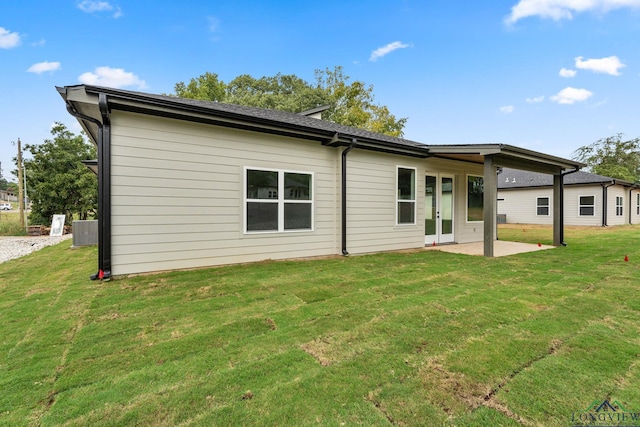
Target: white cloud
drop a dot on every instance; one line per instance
(385, 50)
(564, 9)
(8, 39)
(214, 23)
(42, 67)
(90, 6)
(39, 43)
(93, 6)
(507, 109)
(535, 100)
(564, 72)
(111, 77)
(570, 95)
(610, 65)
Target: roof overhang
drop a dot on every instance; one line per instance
(506, 156)
(92, 165)
(83, 99)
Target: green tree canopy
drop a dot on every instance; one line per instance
(4, 184)
(57, 181)
(350, 103)
(612, 157)
(206, 87)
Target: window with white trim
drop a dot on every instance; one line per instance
(475, 198)
(587, 205)
(278, 200)
(619, 206)
(406, 196)
(542, 206)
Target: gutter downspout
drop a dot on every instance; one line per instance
(344, 195)
(103, 250)
(104, 196)
(630, 204)
(604, 203)
(562, 175)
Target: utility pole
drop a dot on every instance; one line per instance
(20, 189)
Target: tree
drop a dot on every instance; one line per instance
(280, 92)
(57, 181)
(4, 184)
(206, 87)
(350, 103)
(612, 157)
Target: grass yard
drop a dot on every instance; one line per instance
(10, 223)
(418, 338)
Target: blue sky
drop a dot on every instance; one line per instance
(547, 75)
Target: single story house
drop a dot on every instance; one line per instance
(8, 196)
(186, 183)
(589, 199)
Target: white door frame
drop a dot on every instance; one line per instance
(442, 207)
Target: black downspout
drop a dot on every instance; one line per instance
(101, 216)
(630, 204)
(104, 196)
(344, 195)
(604, 203)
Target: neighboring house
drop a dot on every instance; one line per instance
(185, 183)
(8, 196)
(589, 199)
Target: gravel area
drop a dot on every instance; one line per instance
(16, 247)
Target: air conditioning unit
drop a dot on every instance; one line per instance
(85, 233)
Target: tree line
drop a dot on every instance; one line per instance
(350, 103)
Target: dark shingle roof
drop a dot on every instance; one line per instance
(264, 115)
(288, 124)
(514, 178)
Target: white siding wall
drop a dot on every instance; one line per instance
(371, 206)
(520, 205)
(371, 203)
(177, 195)
(612, 217)
(572, 205)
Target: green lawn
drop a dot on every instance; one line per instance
(417, 338)
(10, 223)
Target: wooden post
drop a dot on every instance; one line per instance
(20, 189)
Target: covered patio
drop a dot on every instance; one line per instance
(500, 248)
(496, 156)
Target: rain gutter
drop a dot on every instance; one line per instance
(344, 195)
(104, 184)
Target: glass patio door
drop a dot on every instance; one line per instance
(439, 197)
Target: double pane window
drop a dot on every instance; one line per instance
(278, 200)
(619, 206)
(542, 206)
(587, 205)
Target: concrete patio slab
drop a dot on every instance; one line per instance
(500, 248)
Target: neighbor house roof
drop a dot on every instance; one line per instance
(84, 99)
(515, 178)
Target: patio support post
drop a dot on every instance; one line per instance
(558, 209)
(489, 203)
